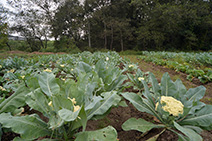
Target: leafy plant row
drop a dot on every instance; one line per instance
(196, 59)
(64, 92)
(184, 62)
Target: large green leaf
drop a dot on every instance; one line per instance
(191, 134)
(15, 101)
(81, 120)
(60, 101)
(115, 83)
(110, 99)
(181, 89)
(149, 99)
(105, 134)
(154, 82)
(167, 86)
(29, 127)
(83, 67)
(68, 115)
(139, 125)
(48, 83)
(139, 104)
(1, 133)
(38, 101)
(195, 94)
(32, 83)
(201, 118)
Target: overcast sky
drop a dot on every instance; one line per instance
(4, 2)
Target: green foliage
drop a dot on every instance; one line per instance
(196, 115)
(66, 45)
(69, 90)
(139, 124)
(194, 64)
(15, 101)
(105, 134)
(88, 92)
(18, 45)
(30, 127)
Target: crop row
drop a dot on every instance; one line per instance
(194, 64)
(69, 90)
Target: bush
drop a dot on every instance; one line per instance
(130, 52)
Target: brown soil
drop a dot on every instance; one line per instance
(119, 115)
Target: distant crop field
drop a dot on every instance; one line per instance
(197, 65)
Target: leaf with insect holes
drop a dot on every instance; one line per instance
(105, 134)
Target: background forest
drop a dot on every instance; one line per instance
(108, 25)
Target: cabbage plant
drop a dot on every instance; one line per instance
(175, 107)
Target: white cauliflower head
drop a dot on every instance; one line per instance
(173, 106)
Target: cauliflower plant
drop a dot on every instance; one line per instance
(2, 88)
(76, 107)
(48, 70)
(172, 105)
(140, 78)
(131, 66)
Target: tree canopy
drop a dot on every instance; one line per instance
(116, 24)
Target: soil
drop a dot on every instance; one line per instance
(119, 115)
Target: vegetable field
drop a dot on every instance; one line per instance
(197, 65)
(66, 97)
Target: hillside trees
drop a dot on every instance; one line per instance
(67, 23)
(179, 25)
(3, 27)
(33, 18)
(116, 24)
(109, 24)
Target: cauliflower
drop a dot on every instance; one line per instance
(48, 70)
(140, 78)
(22, 76)
(73, 100)
(50, 103)
(76, 108)
(62, 66)
(172, 105)
(12, 71)
(2, 88)
(131, 66)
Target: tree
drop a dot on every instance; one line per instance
(181, 25)
(3, 27)
(33, 18)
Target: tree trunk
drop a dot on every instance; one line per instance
(105, 36)
(8, 46)
(122, 44)
(111, 43)
(89, 34)
(46, 41)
